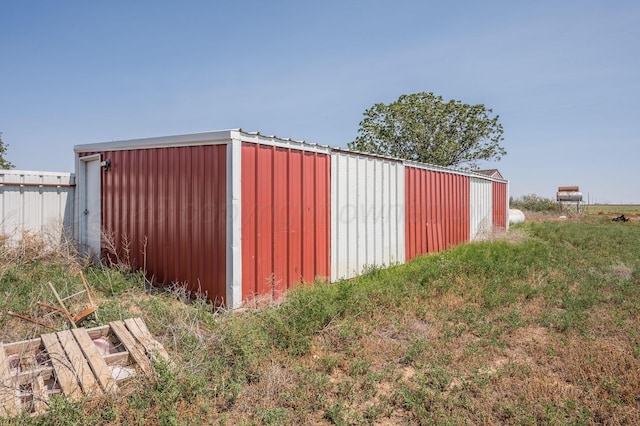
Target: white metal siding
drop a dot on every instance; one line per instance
(367, 213)
(481, 207)
(37, 202)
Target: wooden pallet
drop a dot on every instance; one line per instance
(69, 362)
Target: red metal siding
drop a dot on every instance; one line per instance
(285, 217)
(499, 204)
(436, 210)
(164, 210)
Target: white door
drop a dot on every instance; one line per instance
(90, 209)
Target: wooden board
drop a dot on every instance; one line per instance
(7, 390)
(121, 359)
(96, 332)
(136, 350)
(139, 329)
(61, 365)
(33, 375)
(79, 364)
(96, 362)
(17, 348)
(40, 395)
(27, 377)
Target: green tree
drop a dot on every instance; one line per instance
(4, 163)
(423, 127)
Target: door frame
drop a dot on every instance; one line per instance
(82, 188)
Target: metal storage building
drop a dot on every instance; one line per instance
(236, 214)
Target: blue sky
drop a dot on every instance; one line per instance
(562, 75)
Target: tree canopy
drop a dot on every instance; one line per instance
(4, 163)
(423, 127)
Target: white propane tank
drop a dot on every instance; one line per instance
(516, 216)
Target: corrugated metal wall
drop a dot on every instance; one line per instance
(285, 217)
(36, 201)
(500, 203)
(436, 210)
(481, 218)
(164, 209)
(367, 213)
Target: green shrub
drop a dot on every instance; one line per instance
(533, 203)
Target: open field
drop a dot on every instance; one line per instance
(613, 209)
(538, 326)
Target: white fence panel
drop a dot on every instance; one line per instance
(367, 213)
(481, 207)
(37, 202)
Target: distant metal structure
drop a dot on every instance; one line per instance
(568, 198)
(34, 201)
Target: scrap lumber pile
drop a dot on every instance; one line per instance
(75, 362)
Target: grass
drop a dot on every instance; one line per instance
(539, 327)
(616, 209)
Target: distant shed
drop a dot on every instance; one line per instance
(494, 173)
(36, 202)
(236, 214)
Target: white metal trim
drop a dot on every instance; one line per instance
(60, 175)
(195, 139)
(366, 154)
(234, 222)
(468, 173)
(208, 138)
(226, 136)
(285, 143)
